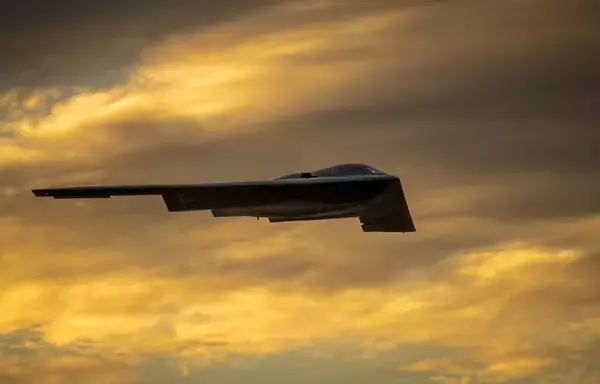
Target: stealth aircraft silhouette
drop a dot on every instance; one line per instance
(342, 191)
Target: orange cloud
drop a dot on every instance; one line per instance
(131, 313)
(191, 291)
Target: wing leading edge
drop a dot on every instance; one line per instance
(190, 197)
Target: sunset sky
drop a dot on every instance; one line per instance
(488, 111)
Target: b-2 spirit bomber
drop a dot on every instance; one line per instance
(341, 191)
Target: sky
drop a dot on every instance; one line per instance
(487, 110)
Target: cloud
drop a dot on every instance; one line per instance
(26, 356)
(465, 306)
(173, 86)
(486, 112)
(78, 43)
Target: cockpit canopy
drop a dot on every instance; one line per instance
(337, 170)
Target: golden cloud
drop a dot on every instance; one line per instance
(141, 313)
(506, 305)
(223, 79)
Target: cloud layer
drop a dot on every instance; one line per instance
(486, 110)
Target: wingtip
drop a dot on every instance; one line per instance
(41, 193)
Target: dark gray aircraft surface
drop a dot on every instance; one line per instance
(342, 191)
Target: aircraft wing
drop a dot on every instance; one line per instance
(189, 197)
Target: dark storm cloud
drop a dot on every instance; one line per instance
(518, 100)
(75, 42)
(70, 42)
